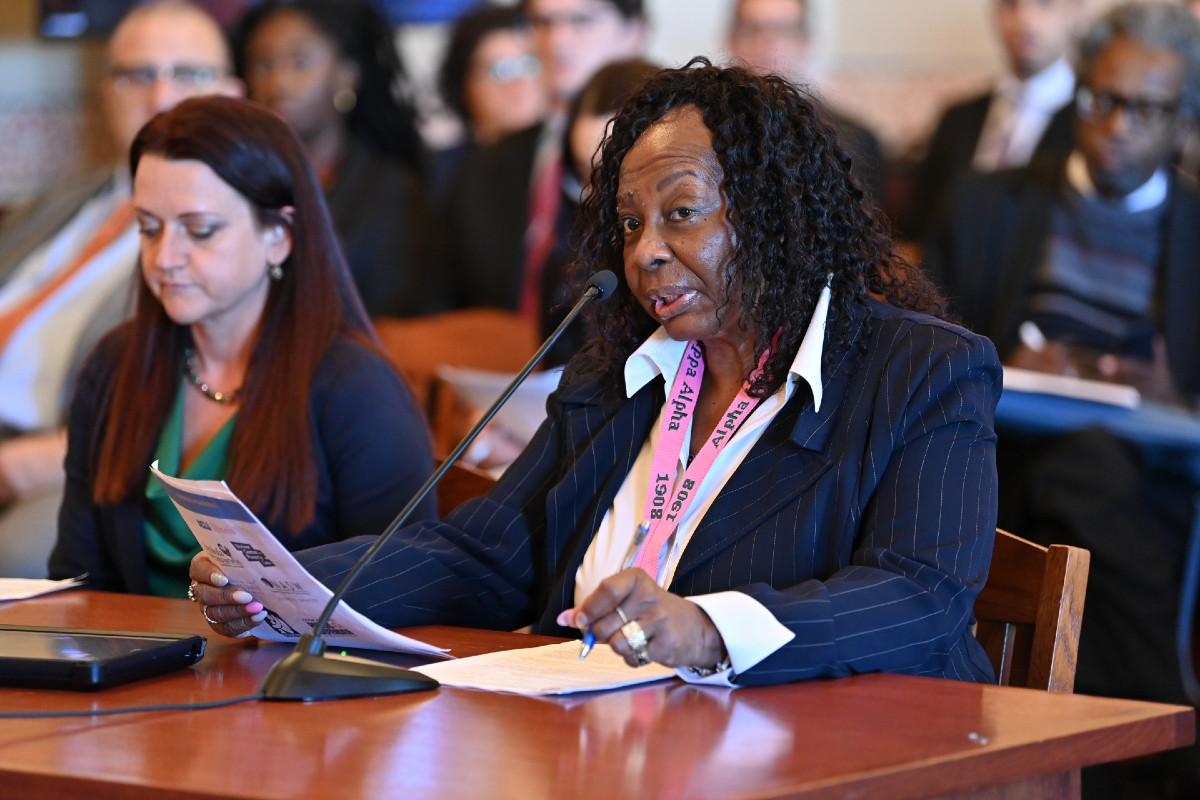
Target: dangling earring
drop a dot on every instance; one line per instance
(275, 272)
(345, 100)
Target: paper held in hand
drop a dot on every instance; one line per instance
(251, 557)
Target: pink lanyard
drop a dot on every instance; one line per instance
(662, 516)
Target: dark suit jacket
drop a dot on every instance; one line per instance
(378, 209)
(372, 448)
(865, 527)
(952, 149)
(987, 248)
(484, 220)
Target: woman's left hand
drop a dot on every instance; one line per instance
(678, 632)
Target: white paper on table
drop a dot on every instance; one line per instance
(1113, 394)
(550, 669)
(22, 588)
(252, 558)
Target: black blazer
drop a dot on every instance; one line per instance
(372, 447)
(865, 527)
(483, 221)
(952, 149)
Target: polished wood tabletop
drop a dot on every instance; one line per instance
(871, 736)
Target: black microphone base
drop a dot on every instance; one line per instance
(304, 676)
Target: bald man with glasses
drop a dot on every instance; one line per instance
(66, 265)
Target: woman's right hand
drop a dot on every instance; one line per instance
(228, 609)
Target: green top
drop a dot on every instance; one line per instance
(169, 544)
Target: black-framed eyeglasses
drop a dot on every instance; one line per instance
(1096, 107)
(143, 76)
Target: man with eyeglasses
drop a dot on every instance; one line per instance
(1026, 116)
(66, 261)
(772, 37)
(507, 210)
(1091, 267)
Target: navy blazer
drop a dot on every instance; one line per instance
(372, 447)
(865, 527)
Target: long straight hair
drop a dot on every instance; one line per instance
(273, 465)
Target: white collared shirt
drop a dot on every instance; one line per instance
(1019, 114)
(749, 630)
(1149, 195)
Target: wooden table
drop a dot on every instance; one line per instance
(872, 736)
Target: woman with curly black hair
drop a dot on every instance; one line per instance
(768, 464)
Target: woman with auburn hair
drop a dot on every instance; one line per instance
(770, 462)
(250, 359)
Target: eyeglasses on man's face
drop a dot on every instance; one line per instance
(1095, 107)
(184, 76)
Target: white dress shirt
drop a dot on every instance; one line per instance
(750, 632)
(1019, 114)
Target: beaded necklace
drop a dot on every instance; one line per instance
(216, 397)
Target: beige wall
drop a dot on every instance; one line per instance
(17, 17)
(891, 64)
(49, 124)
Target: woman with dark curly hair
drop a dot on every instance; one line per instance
(769, 463)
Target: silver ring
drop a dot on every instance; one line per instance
(192, 592)
(635, 637)
(621, 614)
(211, 621)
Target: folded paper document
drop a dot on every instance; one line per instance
(252, 558)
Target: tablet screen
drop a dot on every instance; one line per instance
(74, 658)
(55, 645)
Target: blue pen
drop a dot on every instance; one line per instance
(589, 638)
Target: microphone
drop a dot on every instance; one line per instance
(308, 673)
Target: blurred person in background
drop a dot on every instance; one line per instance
(1028, 115)
(330, 68)
(491, 80)
(773, 37)
(591, 112)
(1087, 266)
(502, 207)
(67, 260)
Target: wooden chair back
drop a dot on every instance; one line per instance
(480, 338)
(1030, 610)
(459, 484)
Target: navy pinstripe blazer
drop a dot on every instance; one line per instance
(865, 527)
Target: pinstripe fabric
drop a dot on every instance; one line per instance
(866, 527)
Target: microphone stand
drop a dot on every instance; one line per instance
(308, 672)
